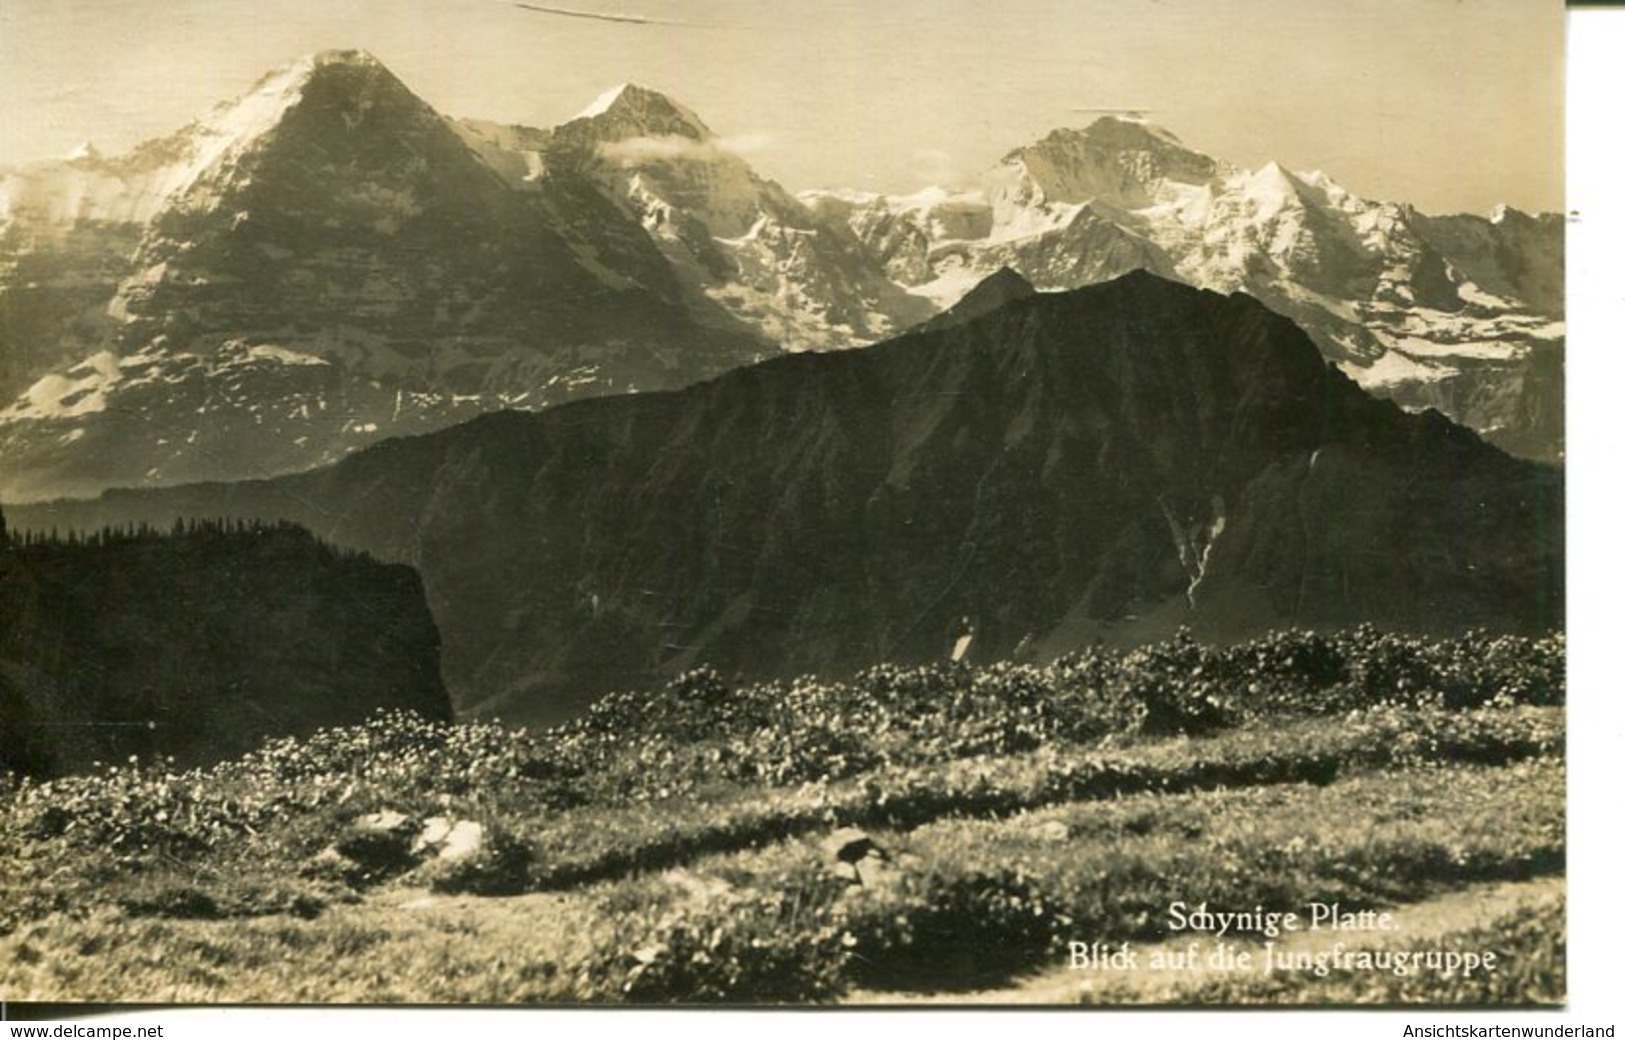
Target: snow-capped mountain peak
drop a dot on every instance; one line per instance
(353, 57)
(1144, 149)
(263, 106)
(1122, 163)
(1504, 215)
(603, 102)
(1270, 190)
(1459, 312)
(322, 262)
(629, 111)
(329, 103)
(1137, 132)
(193, 165)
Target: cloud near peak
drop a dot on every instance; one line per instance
(671, 147)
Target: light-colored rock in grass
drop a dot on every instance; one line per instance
(448, 840)
(387, 821)
(1053, 830)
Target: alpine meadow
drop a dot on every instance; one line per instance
(468, 561)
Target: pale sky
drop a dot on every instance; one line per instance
(1454, 105)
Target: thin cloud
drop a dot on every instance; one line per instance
(622, 18)
(935, 166)
(635, 150)
(606, 16)
(747, 144)
(655, 149)
(1131, 113)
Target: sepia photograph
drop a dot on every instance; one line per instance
(683, 503)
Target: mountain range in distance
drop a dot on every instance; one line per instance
(1107, 463)
(327, 262)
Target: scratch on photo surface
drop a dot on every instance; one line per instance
(609, 16)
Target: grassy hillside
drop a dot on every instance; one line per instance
(698, 843)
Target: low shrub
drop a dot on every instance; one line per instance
(679, 939)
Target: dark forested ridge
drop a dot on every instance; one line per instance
(199, 641)
(1103, 464)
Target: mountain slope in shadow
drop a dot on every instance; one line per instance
(1107, 463)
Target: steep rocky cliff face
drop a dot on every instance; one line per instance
(201, 645)
(1107, 463)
